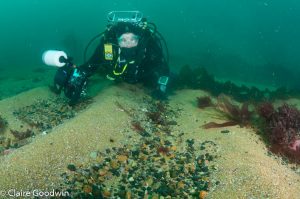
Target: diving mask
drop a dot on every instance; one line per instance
(128, 40)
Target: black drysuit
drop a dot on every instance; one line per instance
(145, 63)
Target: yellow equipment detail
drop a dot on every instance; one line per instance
(108, 52)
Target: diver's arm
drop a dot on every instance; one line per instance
(76, 83)
(94, 62)
(163, 76)
(159, 64)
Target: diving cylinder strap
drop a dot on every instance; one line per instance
(120, 66)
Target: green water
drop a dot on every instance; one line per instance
(255, 41)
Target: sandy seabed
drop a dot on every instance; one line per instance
(243, 167)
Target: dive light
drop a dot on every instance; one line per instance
(55, 58)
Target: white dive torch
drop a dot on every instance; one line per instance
(55, 58)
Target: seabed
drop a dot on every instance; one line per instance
(123, 144)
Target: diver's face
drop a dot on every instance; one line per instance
(128, 40)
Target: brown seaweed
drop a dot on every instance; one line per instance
(203, 102)
(200, 78)
(233, 113)
(3, 124)
(21, 135)
(219, 125)
(121, 107)
(157, 113)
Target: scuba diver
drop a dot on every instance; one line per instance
(130, 50)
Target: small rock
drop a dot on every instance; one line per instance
(71, 167)
(172, 123)
(180, 185)
(93, 155)
(128, 194)
(173, 148)
(133, 164)
(122, 158)
(202, 194)
(131, 179)
(225, 131)
(102, 172)
(114, 164)
(87, 189)
(1, 149)
(149, 181)
(106, 193)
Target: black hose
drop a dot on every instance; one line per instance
(161, 38)
(154, 26)
(88, 45)
(165, 44)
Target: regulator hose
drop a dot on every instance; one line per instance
(89, 44)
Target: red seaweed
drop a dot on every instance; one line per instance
(266, 110)
(137, 127)
(282, 130)
(163, 150)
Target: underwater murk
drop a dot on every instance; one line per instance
(228, 128)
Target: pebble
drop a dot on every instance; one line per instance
(140, 171)
(1, 149)
(180, 185)
(131, 179)
(106, 193)
(114, 164)
(93, 155)
(149, 181)
(122, 158)
(133, 164)
(202, 194)
(87, 189)
(71, 167)
(225, 131)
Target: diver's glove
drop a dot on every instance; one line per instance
(162, 83)
(61, 78)
(160, 92)
(76, 86)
